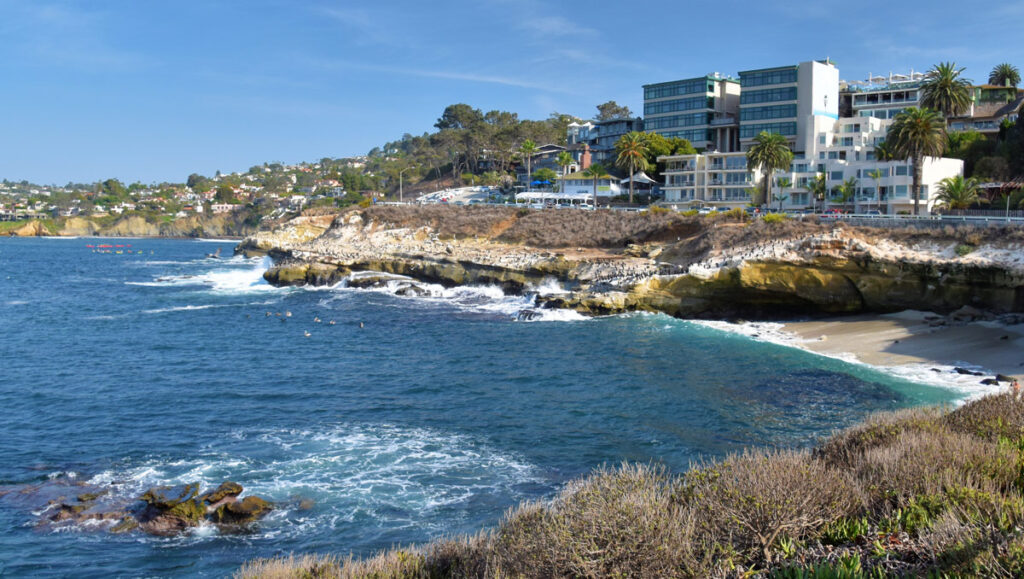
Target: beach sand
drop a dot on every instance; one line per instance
(907, 338)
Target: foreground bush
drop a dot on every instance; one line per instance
(912, 493)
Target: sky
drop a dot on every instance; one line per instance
(154, 91)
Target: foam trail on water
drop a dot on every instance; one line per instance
(485, 299)
(355, 474)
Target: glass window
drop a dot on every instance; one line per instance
(761, 78)
(768, 95)
(901, 170)
(677, 105)
(784, 129)
(679, 88)
(821, 139)
(768, 112)
(836, 175)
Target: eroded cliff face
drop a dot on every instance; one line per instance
(227, 225)
(837, 272)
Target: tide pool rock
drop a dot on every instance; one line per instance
(226, 489)
(240, 512)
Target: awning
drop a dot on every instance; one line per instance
(640, 177)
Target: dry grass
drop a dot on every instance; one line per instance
(843, 450)
(991, 418)
(913, 492)
(614, 523)
(291, 567)
(750, 502)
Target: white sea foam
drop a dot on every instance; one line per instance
(939, 375)
(235, 275)
(183, 309)
(390, 475)
(487, 299)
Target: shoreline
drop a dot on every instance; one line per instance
(913, 345)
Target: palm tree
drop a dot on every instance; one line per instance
(783, 184)
(916, 134)
(597, 171)
(883, 151)
(846, 191)
(1004, 74)
(769, 154)
(957, 192)
(564, 159)
(876, 176)
(818, 187)
(632, 150)
(944, 91)
(528, 148)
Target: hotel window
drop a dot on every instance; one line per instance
(847, 142)
(768, 95)
(768, 77)
(901, 170)
(836, 175)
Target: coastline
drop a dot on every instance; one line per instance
(908, 337)
(914, 345)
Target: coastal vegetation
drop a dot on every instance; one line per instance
(769, 153)
(918, 492)
(917, 133)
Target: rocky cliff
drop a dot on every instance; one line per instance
(226, 225)
(754, 273)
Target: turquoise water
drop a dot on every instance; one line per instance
(437, 415)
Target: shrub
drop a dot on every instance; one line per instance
(691, 213)
(994, 417)
(657, 209)
(963, 249)
(614, 523)
(843, 450)
(754, 499)
(774, 217)
(925, 463)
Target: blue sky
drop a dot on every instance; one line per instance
(153, 91)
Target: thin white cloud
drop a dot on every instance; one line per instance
(440, 74)
(52, 34)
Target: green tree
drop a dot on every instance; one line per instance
(225, 194)
(544, 174)
(945, 91)
(783, 183)
(596, 172)
(527, 149)
(916, 134)
(992, 169)
(564, 160)
(611, 111)
(818, 187)
(876, 176)
(957, 192)
(114, 188)
(845, 191)
(769, 153)
(632, 155)
(1004, 74)
(883, 151)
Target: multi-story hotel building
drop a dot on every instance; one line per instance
(842, 152)
(883, 97)
(794, 101)
(702, 110)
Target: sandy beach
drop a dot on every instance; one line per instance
(913, 337)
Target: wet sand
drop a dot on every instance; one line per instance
(908, 338)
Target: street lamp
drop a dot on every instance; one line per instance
(401, 197)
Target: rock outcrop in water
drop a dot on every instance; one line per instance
(158, 511)
(810, 270)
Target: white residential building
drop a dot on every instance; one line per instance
(842, 151)
(884, 97)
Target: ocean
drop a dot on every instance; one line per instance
(406, 419)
